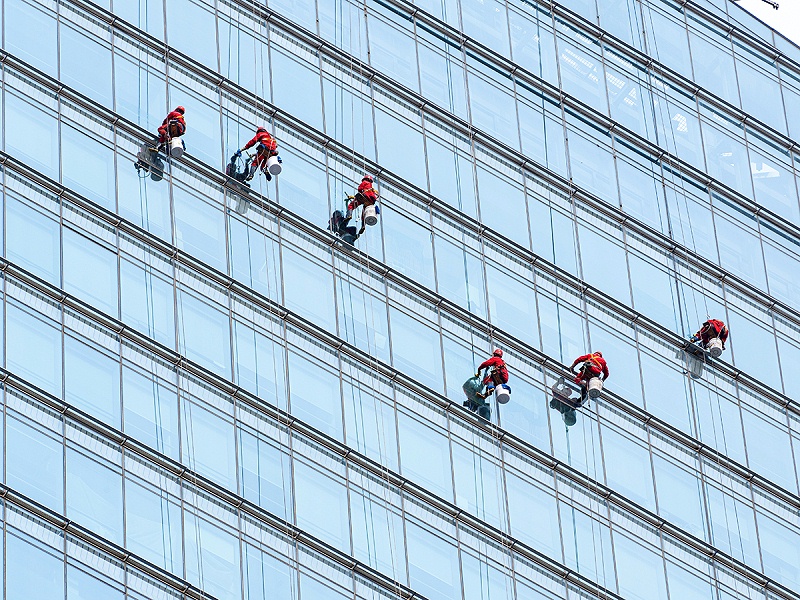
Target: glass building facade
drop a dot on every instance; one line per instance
(206, 395)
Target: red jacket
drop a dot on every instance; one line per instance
(598, 363)
(711, 329)
(369, 192)
(499, 368)
(262, 137)
(173, 116)
(494, 361)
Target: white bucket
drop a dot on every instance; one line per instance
(595, 387)
(502, 393)
(176, 147)
(273, 166)
(714, 347)
(370, 215)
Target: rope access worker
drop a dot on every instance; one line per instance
(496, 372)
(711, 329)
(593, 366)
(366, 195)
(267, 147)
(173, 126)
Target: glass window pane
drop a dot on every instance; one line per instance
(766, 443)
(153, 526)
(31, 135)
(301, 275)
(212, 558)
(148, 302)
(90, 272)
(22, 560)
(209, 444)
(680, 497)
(306, 191)
(32, 241)
(204, 334)
(199, 228)
(604, 264)
(266, 577)
(592, 166)
(668, 39)
(486, 22)
(265, 474)
(87, 167)
(322, 506)
(408, 247)
(780, 550)
(443, 79)
(91, 381)
(424, 456)
(191, 28)
(416, 350)
(432, 564)
(533, 42)
(493, 108)
(315, 396)
(392, 49)
(761, 94)
(40, 50)
(582, 72)
(78, 51)
(260, 364)
(587, 546)
(733, 526)
(503, 206)
(640, 572)
(524, 500)
(394, 133)
(512, 304)
(31, 450)
(82, 586)
(370, 424)
(297, 87)
(151, 412)
(33, 349)
(94, 496)
(774, 183)
(628, 467)
(713, 66)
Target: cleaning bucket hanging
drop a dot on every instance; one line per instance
(274, 165)
(502, 393)
(176, 147)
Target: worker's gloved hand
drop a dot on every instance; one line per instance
(238, 153)
(478, 374)
(694, 338)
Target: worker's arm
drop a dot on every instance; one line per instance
(579, 359)
(250, 144)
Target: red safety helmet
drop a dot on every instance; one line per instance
(599, 353)
(497, 352)
(367, 178)
(260, 129)
(180, 109)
